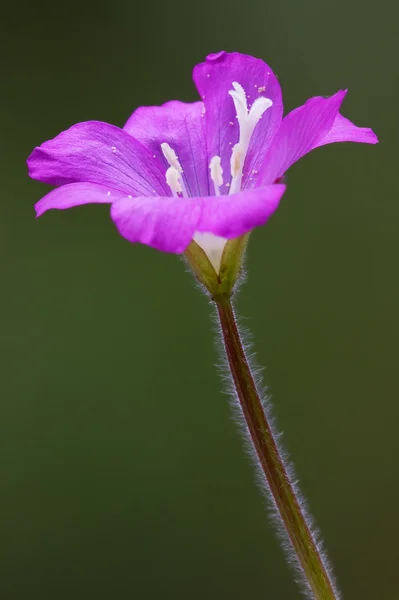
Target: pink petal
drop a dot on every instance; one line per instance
(167, 224)
(181, 125)
(299, 133)
(231, 216)
(214, 79)
(99, 153)
(75, 194)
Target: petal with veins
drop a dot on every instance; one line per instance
(169, 224)
(344, 130)
(231, 216)
(100, 153)
(299, 133)
(314, 124)
(181, 126)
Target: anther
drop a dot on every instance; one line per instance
(173, 180)
(236, 161)
(216, 173)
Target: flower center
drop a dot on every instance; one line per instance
(213, 245)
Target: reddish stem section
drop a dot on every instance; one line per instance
(303, 543)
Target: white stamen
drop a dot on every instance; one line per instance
(247, 120)
(216, 173)
(171, 157)
(173, 180)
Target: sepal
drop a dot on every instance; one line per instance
(230, 271)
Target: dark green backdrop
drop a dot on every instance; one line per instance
(122, 473)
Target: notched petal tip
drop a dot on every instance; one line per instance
(216, 56)
(31, 161)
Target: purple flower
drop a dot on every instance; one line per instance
(207, 170)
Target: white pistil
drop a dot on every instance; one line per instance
(247, 121)
(173, 181)
(216, 173)
(240, 101)
(257, 109)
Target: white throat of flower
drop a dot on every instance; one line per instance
(213, 245)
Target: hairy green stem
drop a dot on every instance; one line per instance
(304, 546)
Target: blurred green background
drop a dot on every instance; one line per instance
(122, 472)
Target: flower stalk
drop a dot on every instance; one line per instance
(302, 541)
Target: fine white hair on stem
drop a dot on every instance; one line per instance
(273, 509)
